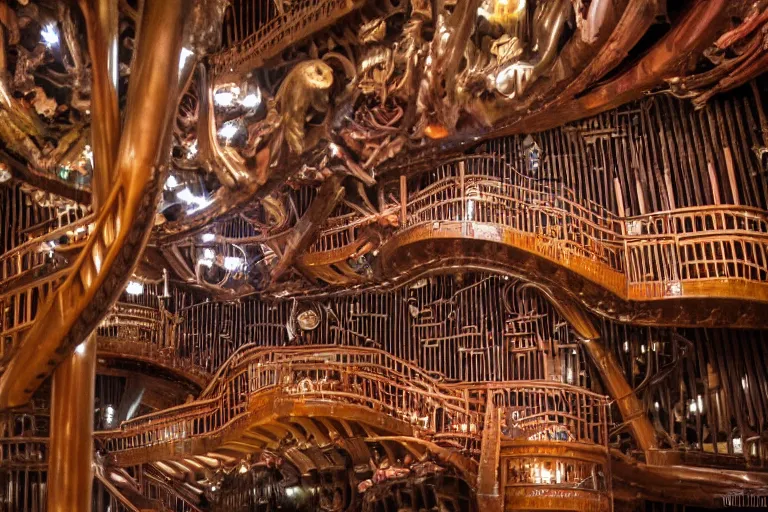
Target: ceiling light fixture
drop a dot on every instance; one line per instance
(252, 100)
(233, 263)
(188, 197)
(224, 98)
(228, 131)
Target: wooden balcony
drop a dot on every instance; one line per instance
(691, 266)
(396, 400)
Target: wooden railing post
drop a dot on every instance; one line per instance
(403, 200)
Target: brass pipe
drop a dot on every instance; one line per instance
(696, 29)
(101, 21)
(70, 474)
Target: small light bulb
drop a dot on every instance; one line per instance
(109, 414)
(188, 197)
(209, 254)
(208, 237)
(228, 131)
(171, 182)
(134, 288)
(224, 99)
(88, 154)
(252, 100)
(80, 349)
(192, 150)
(50, 35)
(5, 173)
(233, 263)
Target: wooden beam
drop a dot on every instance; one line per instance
(304, 232)
(490, 496)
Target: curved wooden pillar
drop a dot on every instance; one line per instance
(70, 476)
(124, 221)
(101, 19)
(631, 408)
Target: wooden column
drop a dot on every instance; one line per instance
(631, 408)
(70, 476)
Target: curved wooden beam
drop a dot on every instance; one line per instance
(452, 245)
(632, 411)
(123, 226)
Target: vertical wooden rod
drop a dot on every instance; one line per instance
(714, 182)
(403, 200)
(731, 174)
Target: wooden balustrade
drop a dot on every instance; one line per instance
(39, 252)
(24, 452)
(18, 311)
(155, 487)
(283, 29)
(679, 253)
(377, 381)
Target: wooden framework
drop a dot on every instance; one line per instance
(384, 239)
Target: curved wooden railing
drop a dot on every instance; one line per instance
(120, 231)
(681, 253)
(30, 273)
(369, 378)
(32, 256)
(129, 331)
(133, 331)
(23, 452)
(303, 19)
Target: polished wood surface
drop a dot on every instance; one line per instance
(71, 456)
(381, 256)
(124, 220)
